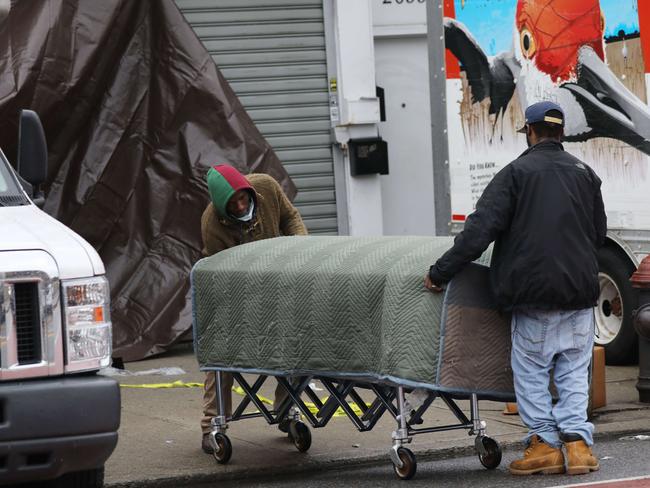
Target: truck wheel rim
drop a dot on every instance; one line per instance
(609, 311)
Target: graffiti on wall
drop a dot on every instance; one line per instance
(585, 55)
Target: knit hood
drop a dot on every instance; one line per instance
(223, 182)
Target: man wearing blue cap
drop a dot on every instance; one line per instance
(544, 212)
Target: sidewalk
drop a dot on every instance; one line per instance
(160, 435)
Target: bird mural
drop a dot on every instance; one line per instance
(558, 54)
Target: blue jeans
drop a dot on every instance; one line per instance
(561, 340)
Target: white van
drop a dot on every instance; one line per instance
(58, 419)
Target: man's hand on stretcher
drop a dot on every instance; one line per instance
(430, 285)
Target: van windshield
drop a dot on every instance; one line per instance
(10, 192)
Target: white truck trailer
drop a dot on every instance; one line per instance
(590, 56)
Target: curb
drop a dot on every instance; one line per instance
(375, 459)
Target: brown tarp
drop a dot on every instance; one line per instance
(134, 111)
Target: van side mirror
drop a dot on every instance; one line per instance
(32, 149)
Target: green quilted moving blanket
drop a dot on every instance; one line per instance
(349, 307)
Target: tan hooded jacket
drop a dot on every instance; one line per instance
(275, 216)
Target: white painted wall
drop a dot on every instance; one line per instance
(402, 70)
(358, 112)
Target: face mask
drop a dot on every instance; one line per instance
(248, 215)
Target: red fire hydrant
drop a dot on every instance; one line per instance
(641, 280)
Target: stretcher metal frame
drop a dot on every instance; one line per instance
(387, 398)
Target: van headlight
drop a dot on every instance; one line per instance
(86, 312)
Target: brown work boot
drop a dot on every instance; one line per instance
(580, 459)
(539, 458)
(205, 444)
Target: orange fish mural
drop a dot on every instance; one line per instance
(552, 32)
(557, 54)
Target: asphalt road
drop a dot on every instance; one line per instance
(620, 458)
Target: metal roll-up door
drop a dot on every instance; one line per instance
(272, 52)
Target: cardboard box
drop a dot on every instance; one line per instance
(598, 393)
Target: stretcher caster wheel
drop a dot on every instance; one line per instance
(301, 435)
(224, 448)
(409, 464)
(491, 457)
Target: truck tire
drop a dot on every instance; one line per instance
(616, 302)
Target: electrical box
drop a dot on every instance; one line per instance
(368, 156)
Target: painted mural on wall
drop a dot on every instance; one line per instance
(586, 55)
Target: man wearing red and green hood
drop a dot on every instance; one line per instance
(242, 209)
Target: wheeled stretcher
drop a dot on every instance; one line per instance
(353, 315)
(387, 398)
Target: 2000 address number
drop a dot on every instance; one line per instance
(400, 2)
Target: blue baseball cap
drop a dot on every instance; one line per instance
(538, 112)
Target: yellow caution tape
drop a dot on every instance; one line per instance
(175, 384)
(240, 391)
(311, 406)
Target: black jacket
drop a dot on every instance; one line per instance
(546, 214)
